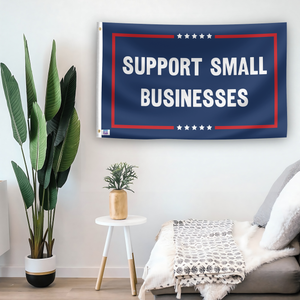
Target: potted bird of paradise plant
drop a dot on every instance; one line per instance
(53, 144)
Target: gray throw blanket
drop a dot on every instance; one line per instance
(206, 253)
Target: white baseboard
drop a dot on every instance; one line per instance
(74, 272)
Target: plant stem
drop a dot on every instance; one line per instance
(53, 218)
(25, 161)
(27, 217)
(29, 228)
(34, 209)
(49, 233)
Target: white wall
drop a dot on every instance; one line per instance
(177, 178)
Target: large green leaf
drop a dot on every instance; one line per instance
(65, 153)
(60, 121)
(53, 95)
(52, 124)
(38, 138)
(45, 172)
(13, 99)
(62, 178)
(68, 91)
(24, 185)
(50, 194)
(30, 87)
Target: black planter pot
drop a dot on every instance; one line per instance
(40, 272)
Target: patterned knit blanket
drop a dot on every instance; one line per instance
(206, 253)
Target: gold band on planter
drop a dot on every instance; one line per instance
(41, 273)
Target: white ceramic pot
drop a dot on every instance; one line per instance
(40, 272)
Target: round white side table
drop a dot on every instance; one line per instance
(130, 221)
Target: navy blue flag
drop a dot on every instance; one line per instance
(192, 81)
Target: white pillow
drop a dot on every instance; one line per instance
(284, 223)
(262, 216)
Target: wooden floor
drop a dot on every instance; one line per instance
(69, 288)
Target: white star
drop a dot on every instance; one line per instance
(187, 36)
(194, 127)
(209, 36)
(179, 36)
(209, 127)
(194, 36)
(179, 127)
(201, 36)
(186, 127)
(201, 127)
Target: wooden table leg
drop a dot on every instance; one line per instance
(101, 272)
(135, 278)
(131, 265)
(104, 258)
(132, 277)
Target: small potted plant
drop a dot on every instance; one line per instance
(121, 176)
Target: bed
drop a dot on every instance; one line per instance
(228, 259)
